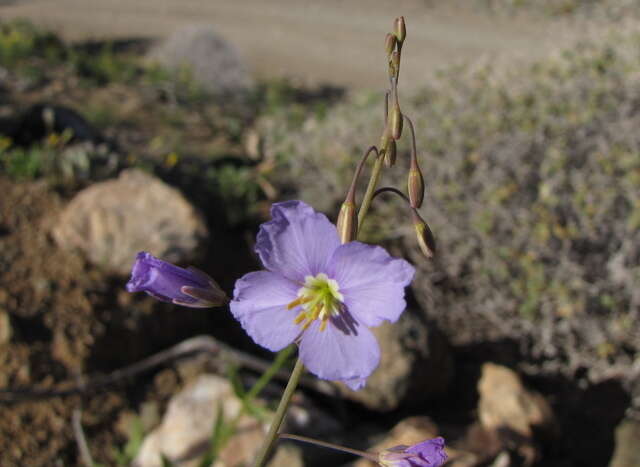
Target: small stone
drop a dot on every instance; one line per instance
(627, 448)
(5, 327)
(512, 415)
(111, 221)
(415, 365)
(184, 433)
(506, 404)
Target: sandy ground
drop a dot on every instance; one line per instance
(337, 42)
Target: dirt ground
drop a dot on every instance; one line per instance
(331, 42)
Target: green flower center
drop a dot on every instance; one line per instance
(320, 298)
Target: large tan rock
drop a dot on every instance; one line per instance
(113, 220)
(185, 431)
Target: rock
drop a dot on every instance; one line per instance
(113, 220)
(411, 431)
(512, 414)
(415, 365)
(214, 63)
(184, 434)
(627, 447)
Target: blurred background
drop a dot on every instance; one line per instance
(171, 126)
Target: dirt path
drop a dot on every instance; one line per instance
(333, 41)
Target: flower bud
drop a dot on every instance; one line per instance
(400, 29)
(347, 223)
(390, 154)
(429, 452)
(396, 121)
(169, 283)
(390, 44)
(415, 186)
(426, 241)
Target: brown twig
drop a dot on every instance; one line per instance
(194, 345)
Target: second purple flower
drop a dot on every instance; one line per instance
(320, 294)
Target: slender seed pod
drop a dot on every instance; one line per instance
(426, 240)
(390, 44)
(400, 29)
(415, 181)
(390, 154)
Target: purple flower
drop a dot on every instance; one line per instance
(429, 453)
(320, 294)
(169, 283)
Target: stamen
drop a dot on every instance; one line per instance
(298, 301)
(323, 325)
(300, 318)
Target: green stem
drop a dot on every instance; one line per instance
(265, 378)
(371, 188)
(324, 444)
(272, 435)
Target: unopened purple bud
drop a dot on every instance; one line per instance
(169, 283)
(427, 453)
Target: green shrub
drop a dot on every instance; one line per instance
(20, 40)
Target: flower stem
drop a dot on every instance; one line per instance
(272, 435)
(371, 188)
(324, 444)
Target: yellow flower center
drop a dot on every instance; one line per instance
(320, 298)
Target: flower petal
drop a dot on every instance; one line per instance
(297, 242)
(260, 302)
(371, 281)
(344, 351)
